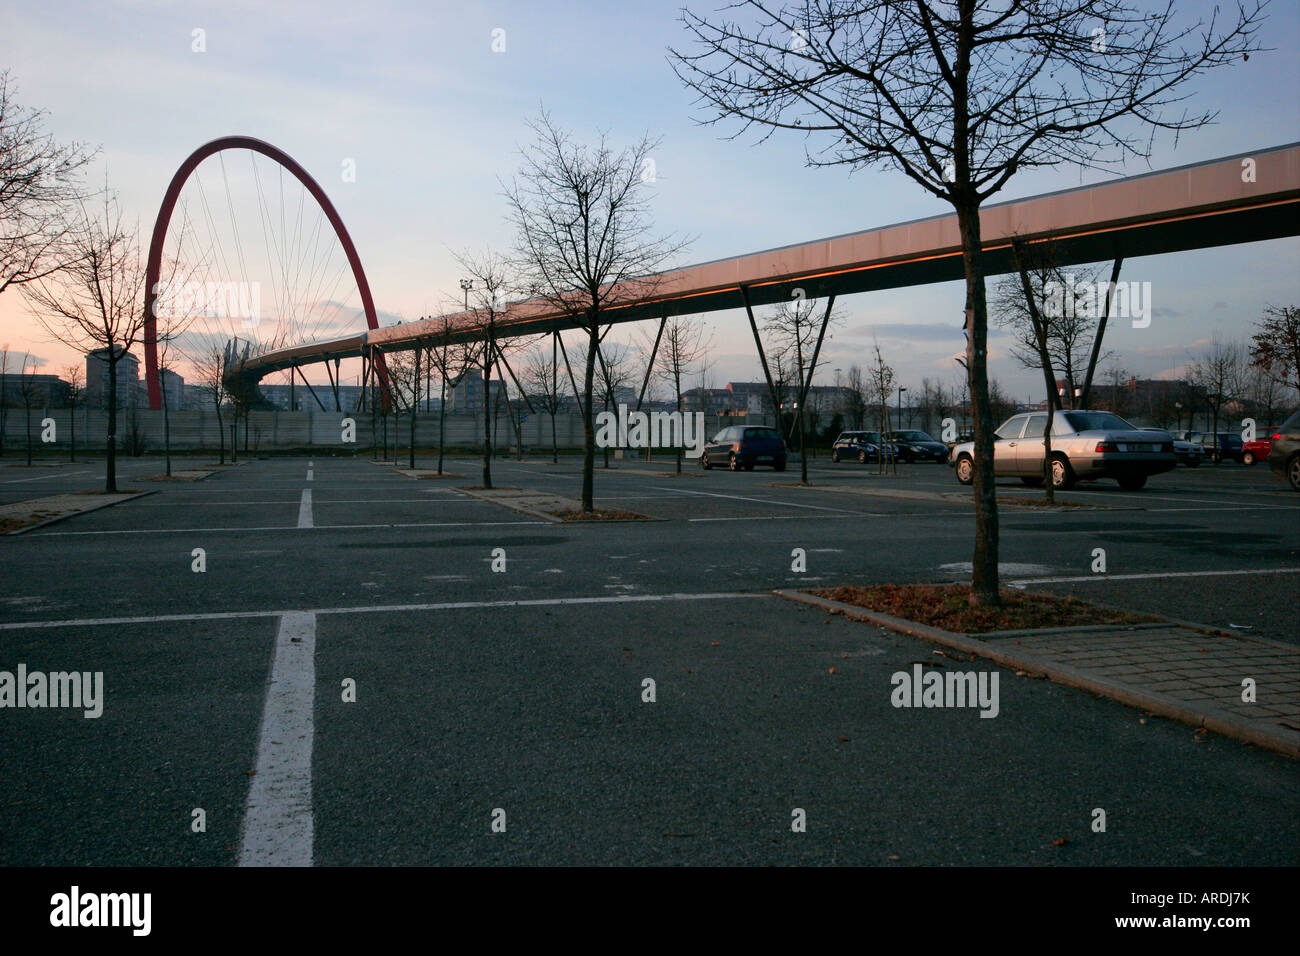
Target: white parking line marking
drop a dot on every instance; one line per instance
(319, 527)
(70, 474)
(309, 474)
(278, 826)
(377, 609)
(304, 509)
(765, 501)
(1151, 576)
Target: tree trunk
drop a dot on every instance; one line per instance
(110, 461)
(221, 433)
(167, 434)
(27, 412)
(442, 416)
(488, 410)
(984, 571)
(588, 421)
(72, 428)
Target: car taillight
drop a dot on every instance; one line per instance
(1105, 446)
(1276, 437)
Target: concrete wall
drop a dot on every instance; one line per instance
(196, 430)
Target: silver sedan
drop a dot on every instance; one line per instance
(1086, 446)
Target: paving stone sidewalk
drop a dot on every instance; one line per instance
(1186, 672)
(1203, 671)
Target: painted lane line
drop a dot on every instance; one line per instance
(319, 527)
(304, 509)
(71, 474)
(278, 826)
(765, 501)
(376, 609)
(1150, 577)
(309, 473)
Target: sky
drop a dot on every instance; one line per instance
(413, 97)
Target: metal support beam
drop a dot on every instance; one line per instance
(826, 319)
(577, 395)
(501, 360)
(650, 366)
(307, 384)
(762, 356)
(1086, 396)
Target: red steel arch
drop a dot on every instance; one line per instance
(154, 266)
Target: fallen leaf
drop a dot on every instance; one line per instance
(717, 643)
(842, 739)
(893, 857)
(832, 671)
(1060, 841)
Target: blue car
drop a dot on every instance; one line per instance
(744, 446)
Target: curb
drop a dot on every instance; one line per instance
(1156, 703)
(84, 511)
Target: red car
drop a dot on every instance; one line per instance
(1257, 450)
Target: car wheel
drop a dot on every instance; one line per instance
(965, 470)
(704, 462)
(1133, 482)
(1062, 473)
(1032, 482)
(1216, 458)
(835, 457)
(732, 463)
(1248, 458)
(862, 456)
(1293, 472)
(1193, 463)
(750, 466)
(780, 465)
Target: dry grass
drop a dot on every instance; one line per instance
(948, 607)
(606, 514)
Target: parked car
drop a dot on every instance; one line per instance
(1257, 450)
(918, 446)
(864, 446)
(744, 446)
(1188, 453)
(1217, 447)
(1086, 446)
(1284, 453)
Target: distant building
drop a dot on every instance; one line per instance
(467, 394)
(279, 395)
(173, 388)
(97, 373)
(43, 391)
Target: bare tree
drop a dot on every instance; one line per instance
(541, 373)
(76, 377)
(492, 278)
(1219, 374)
(27, 395)
(959, 96)
(795, 329)
(857, 394)
(452, 360)
(207, 355)
(4, 393)
(683, 345)
(584, 241)
(96, 300)
(1275, 348)
(880, 386)
(40, 184)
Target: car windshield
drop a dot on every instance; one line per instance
(1097, 422)
(868, 436)
(912, 436)
(762, 434)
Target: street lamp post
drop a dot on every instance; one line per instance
(465, 286)
(901, 390)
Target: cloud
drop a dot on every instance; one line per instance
(916, 331)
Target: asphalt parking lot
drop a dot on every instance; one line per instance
(522, 690)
